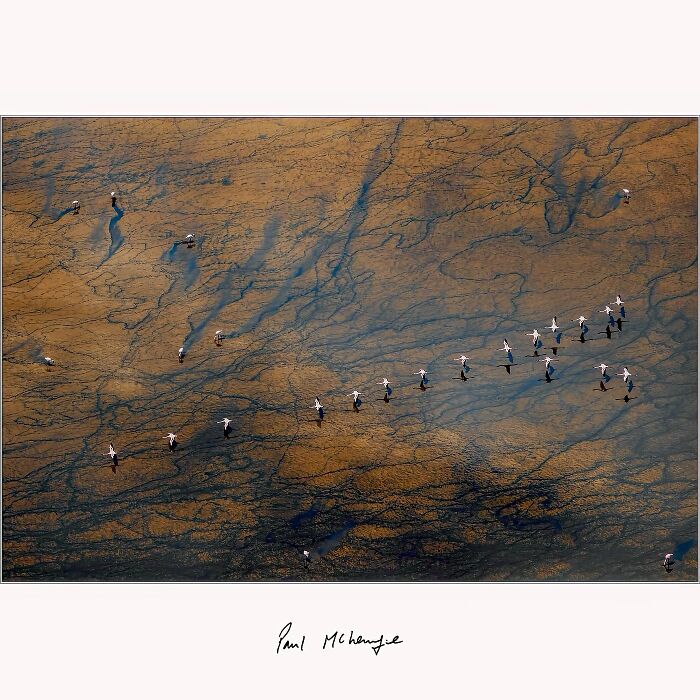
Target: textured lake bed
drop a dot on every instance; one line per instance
(332, 253)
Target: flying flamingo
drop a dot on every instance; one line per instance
(172, 442)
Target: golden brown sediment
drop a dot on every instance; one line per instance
(333, 252)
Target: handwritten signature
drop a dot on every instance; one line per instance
(285, 641)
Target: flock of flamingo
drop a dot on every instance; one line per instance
(219, 336)
(612, 325)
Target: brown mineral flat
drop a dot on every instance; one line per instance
(334, 252)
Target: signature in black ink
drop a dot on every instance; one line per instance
(375, 644)
(289, 644)
(285, 642)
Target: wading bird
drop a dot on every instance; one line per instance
(602, 367)
(356, 396)
(113, 455)
(181, 354)
(535, 336)
(557, 336)
(625, 374)
(548, 360)
(172, 441)
(387, 388)
(463, 359)
(227, 428)
(422, 373)
(621, 304)
(607, 310)
(317, 405)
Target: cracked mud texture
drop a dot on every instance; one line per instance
(332, 253)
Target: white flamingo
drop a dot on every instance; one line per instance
(356, 395)
(112, 453)
(535, 335)
(506, 347)
(625, 374)
(226, 422)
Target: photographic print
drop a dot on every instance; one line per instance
(349, 349)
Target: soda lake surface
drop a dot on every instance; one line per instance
(332, 253)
